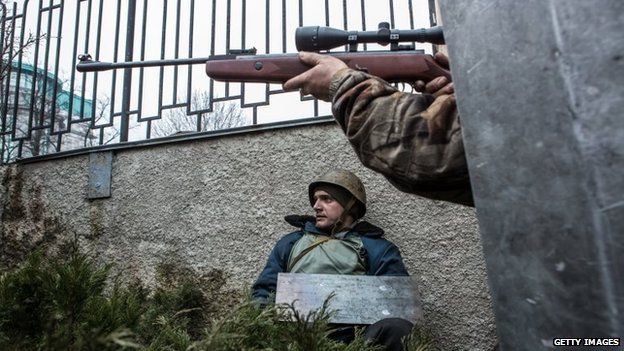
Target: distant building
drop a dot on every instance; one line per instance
(24, 113)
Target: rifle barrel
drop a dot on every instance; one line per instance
(88, 65)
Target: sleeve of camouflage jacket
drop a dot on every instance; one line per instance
(414, 140)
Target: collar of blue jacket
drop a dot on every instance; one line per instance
(306, 223)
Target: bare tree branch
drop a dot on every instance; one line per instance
(223, 116)
(110, 133)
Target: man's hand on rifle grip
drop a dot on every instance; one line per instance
(437, 86)
(316, 80)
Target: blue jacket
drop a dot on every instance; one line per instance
(383, 257)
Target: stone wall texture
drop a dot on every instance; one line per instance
(219, 203)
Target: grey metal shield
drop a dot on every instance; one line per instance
(358, 299)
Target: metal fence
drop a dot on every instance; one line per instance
(47, 107)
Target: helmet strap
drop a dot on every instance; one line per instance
(339, 225)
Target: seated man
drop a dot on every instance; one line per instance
(334, 242)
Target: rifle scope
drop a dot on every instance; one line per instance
(315, 38)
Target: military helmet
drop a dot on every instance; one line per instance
(345, 180)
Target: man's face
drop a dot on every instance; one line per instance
(326, 210)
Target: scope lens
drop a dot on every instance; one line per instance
(306, 38)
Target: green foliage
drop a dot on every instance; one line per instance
(419, 340)
(252, 328)
(22, 304)
(72, 304)
(61, 306)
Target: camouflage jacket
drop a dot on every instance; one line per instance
(414, 140)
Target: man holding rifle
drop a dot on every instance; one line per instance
(414, 140)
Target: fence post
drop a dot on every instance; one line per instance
(127, 82)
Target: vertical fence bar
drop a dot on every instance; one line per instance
(391, 4)
(243, 46)
(141, 71)
(228, 12)
(344, 17)
(284, 26)
(177, 52)
(83, 90)
(267, 26)
(127, 89)
(72, 79)
(267, 50)
(363, 8)
(243, 23)
(3, 86)
(411, 13)
(326, 13)
(53, 120)
(33, 85)
(56, 70)
(212, 46)
(316, 103)
(190, 76)
(11, 135)
(116, 57)
(163, 40)
(212, 27)
(94, 118)
(98, 41)
(46, 62)
(19, 73)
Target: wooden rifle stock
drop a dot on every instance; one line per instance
(392, 66)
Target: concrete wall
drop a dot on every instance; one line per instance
(219, 203)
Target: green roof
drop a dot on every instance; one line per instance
(63, 97)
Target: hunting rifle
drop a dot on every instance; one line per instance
(402, 63)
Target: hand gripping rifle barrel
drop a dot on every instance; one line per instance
(315, 38)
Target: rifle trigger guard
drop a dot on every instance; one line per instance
(361, 69)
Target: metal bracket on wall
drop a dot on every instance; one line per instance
(100, 170)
